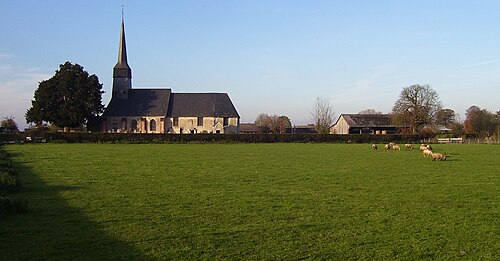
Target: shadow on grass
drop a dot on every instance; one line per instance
(52, 230)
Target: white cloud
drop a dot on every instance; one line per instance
(479, 64)
(6, 56)
(17, 86)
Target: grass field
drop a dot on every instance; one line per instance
(253, 201)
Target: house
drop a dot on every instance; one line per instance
(364, 124)
(161, 110)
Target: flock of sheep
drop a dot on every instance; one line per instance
(426, 150)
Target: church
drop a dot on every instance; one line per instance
(162, 111)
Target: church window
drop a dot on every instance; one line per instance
(200, 121)
(114, 124)
(124, 124)
(176, 121)
(134, 125)
(152, 125)
(226, 121)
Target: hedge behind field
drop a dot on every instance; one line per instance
(211, 138)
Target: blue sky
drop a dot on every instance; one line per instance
(270, 56)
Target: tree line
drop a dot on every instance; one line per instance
(72, 97)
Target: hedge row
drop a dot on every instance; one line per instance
(9, 183)
(221, 138)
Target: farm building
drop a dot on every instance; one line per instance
(161, 110)
(364, 124)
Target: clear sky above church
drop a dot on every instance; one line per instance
(270, 56)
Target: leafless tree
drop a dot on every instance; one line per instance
(416, 106)
(323, 115)
(272, 123)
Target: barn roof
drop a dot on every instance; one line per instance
(368, 120)
(201, 105)
(140, 102)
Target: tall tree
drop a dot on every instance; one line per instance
(445, 117)
(283, 123)
(323, 115)
(416, 106)
(9, 124)
(67, 99)
(480, 121)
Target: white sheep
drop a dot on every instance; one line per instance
(408, 146)
(438, 156)
(396, 147)
(425, 147)
(374, 146)
(427, 153)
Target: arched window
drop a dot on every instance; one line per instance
(114, 124)
(152, 125)
(134, 125)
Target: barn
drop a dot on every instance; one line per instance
(364, 124)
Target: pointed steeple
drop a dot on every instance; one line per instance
(122, 57)
(122, 52)
(122, 74)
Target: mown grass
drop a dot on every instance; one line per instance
(254, 201)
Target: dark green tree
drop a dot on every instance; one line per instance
(9, 124)
(68, 99)
(445, 117)
(416, 107)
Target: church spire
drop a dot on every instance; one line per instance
(122, 74)
(122, 53)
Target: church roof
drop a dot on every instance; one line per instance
(201, 105)
(140, 102)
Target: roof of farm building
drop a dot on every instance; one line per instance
(368, 120)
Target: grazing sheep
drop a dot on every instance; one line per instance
(374, 146)
(427, 153)
(438, 156)
(389, 145)
(396, 147)
(408, 146)
(425, 147)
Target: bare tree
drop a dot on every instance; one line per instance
(272, 123)
(416, 106)
(323, 115)
(263, 121)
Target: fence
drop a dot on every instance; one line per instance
(450, 140)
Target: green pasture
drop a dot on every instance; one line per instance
(253, 201)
